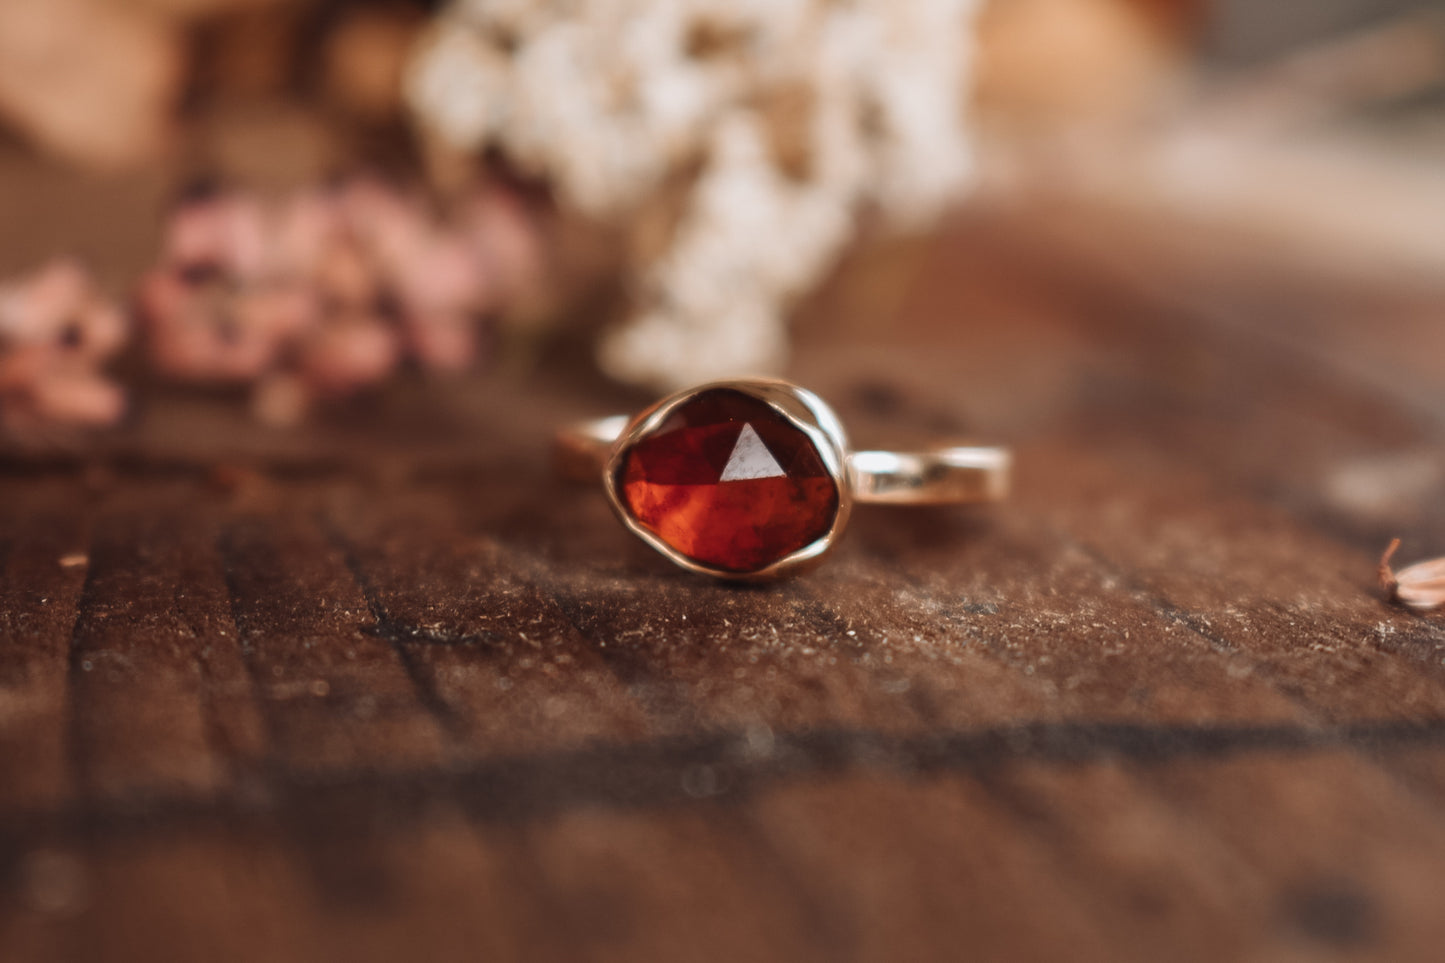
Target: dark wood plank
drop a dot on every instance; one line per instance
(160, 701)
(511, 668)
(44, 550)
(334, 695)
(946, 872)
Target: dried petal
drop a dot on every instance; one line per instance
(507, 239)
(206, 332)
(225, 232)
(280, 400)
(442, 340)
(348, 353)
(77, 397)
(1420, 586)
(56, 332)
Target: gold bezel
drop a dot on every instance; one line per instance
(804, 411)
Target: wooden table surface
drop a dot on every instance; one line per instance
(381, 689)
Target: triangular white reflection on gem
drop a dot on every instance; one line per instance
(750, 459)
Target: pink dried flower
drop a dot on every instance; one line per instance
(439, 288)
(58, 306)
(347, 276)
(302, 231)
(205, 328)
(383, 221)
(332, 289)
(223, 233)
(56, 333)
(347, 352)
(71, 397)
(1420, 586)
(441, 294)
(231, 289)
(505, 237)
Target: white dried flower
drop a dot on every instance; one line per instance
(782, 117)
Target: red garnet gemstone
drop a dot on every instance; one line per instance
(729, 482)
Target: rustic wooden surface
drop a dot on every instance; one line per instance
(383, 690)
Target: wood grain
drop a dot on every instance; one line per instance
(382, 688)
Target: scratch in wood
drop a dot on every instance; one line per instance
(1165, 610)
(229, 555)
(209, 686)
(396, 635)
(77, 754)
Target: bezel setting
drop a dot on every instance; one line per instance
(804, 411)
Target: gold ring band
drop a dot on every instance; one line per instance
(945, 475)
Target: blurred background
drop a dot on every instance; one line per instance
(302, 199)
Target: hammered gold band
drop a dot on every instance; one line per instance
(945, 475)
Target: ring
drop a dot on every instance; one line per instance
(753, 480)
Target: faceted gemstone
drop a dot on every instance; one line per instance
(729, 482)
